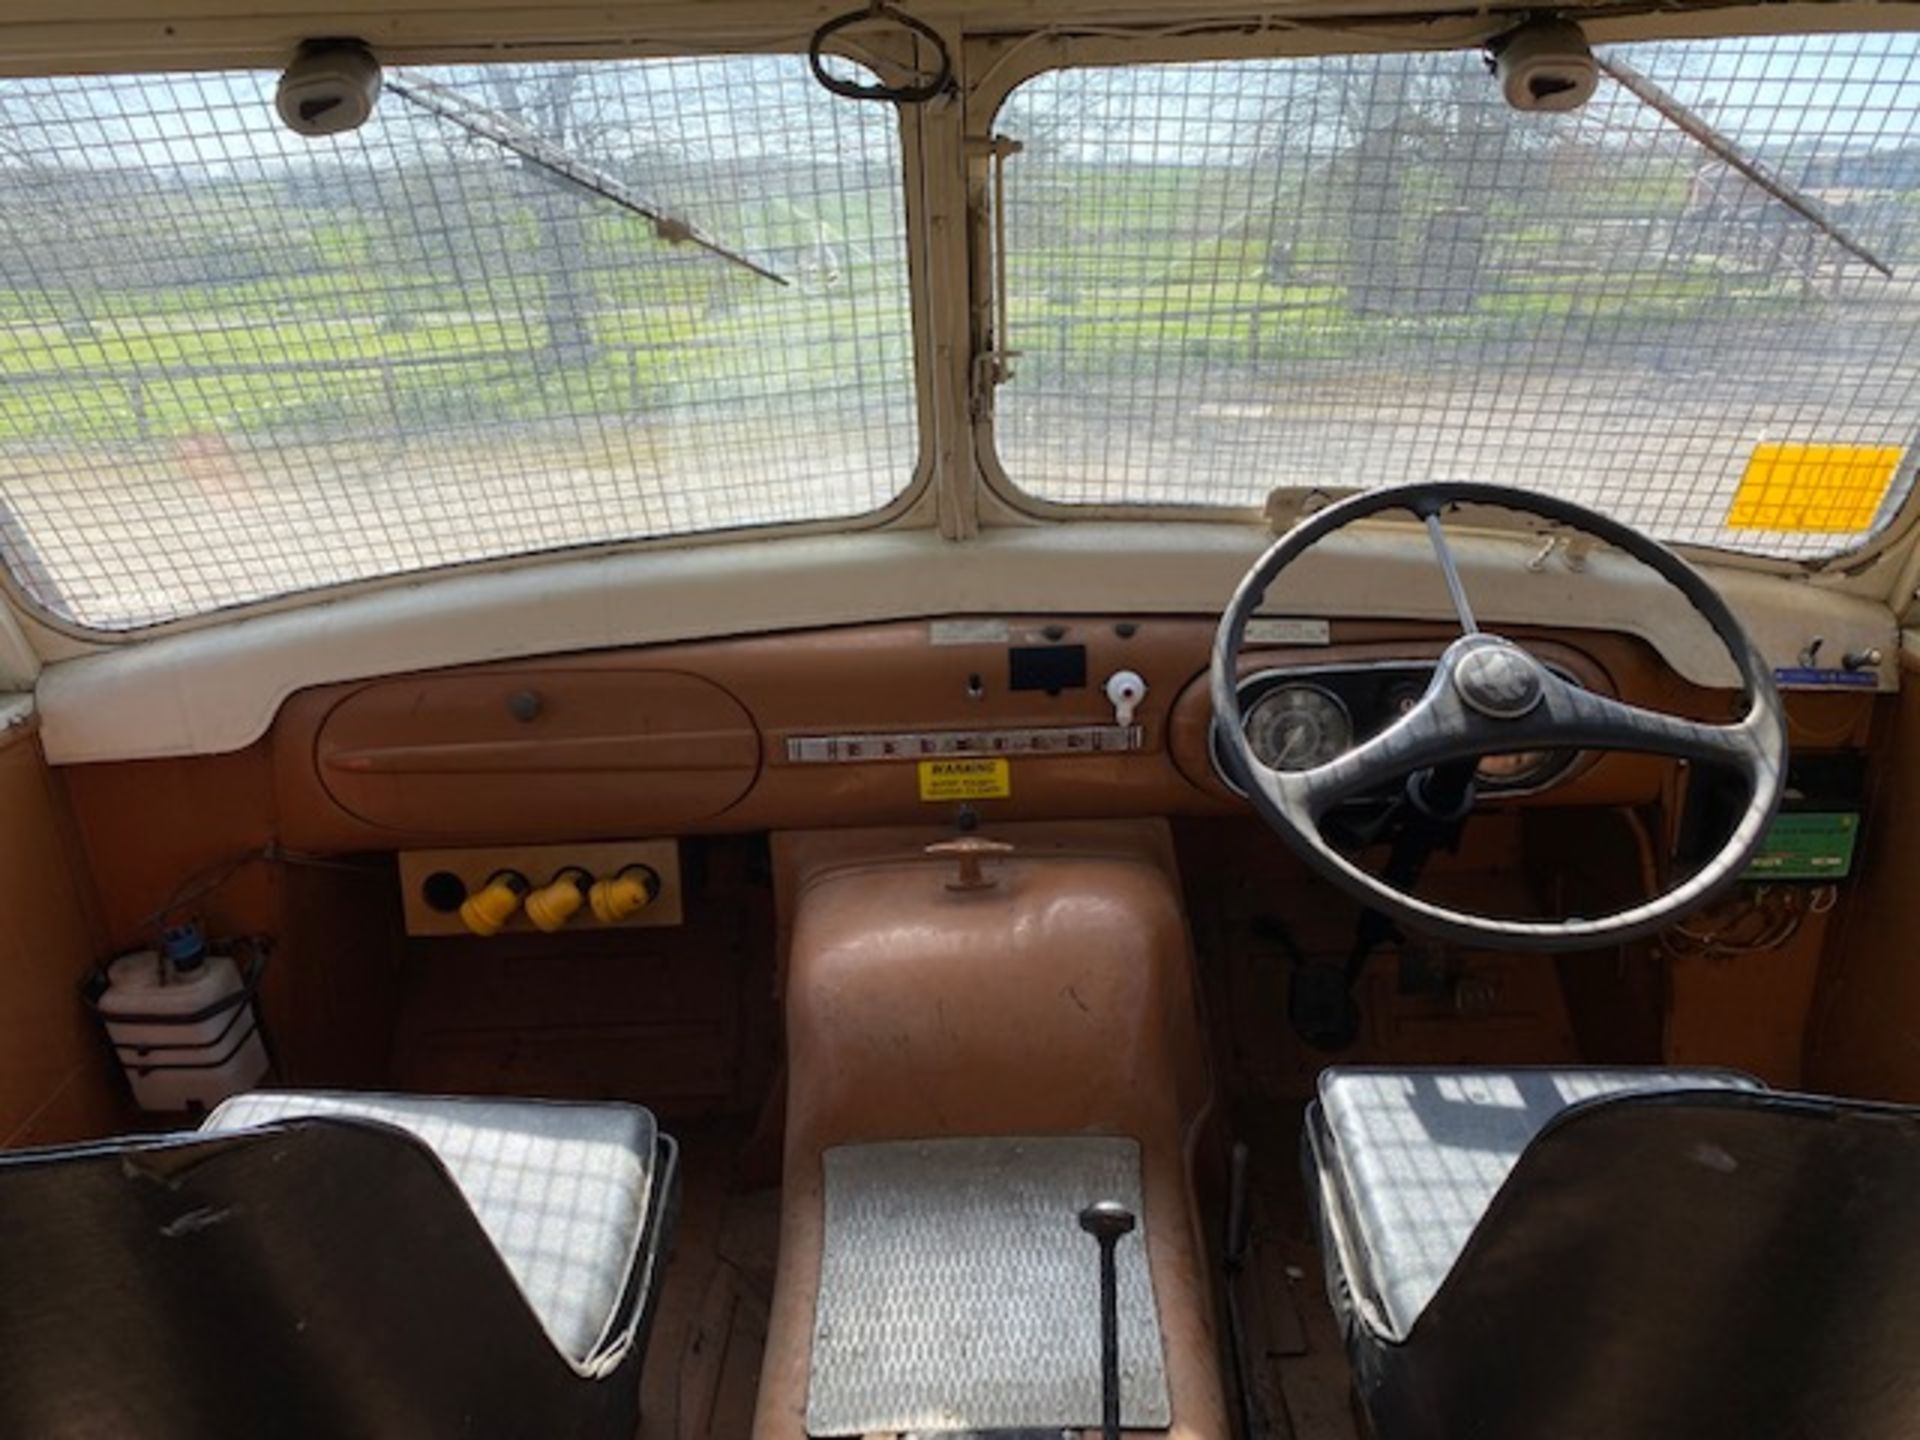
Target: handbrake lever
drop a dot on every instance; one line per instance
(1107, 1221)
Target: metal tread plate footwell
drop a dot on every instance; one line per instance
(958, 1291)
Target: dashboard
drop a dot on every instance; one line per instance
(909, 722)
(1300, 717)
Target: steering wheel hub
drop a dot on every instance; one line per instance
(1499, 680)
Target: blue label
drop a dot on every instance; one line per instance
(1804, 675)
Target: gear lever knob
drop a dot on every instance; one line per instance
(1106, 1220)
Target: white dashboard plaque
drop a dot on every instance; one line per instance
(968, 632)
(1277, 631)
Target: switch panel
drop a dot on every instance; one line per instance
(436, 884)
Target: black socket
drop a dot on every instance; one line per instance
(444, 892)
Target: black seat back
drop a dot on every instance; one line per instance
(1707, 1265)
(319, 1278)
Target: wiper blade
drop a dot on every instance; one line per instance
(1724, 150)
(460, 109)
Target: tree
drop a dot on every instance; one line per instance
(546, 102)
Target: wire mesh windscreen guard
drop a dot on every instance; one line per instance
(239, 364)
(1362, 270)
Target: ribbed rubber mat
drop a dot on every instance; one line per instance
(958, 1291)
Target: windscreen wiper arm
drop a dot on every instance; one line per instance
(459, 109)
(1724, 150)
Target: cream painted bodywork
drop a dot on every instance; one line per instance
(19, 660)
(962, 540)
(42, 35)
(217, 688)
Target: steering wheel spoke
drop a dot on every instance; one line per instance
(1435, 731)
(1599, 722)
(1443, 552)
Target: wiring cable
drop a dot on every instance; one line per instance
(1752, 922)
(211, 877)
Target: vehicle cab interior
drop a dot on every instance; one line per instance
(754, 720)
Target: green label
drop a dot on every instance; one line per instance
(1806, 845)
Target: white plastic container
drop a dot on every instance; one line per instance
(186, 1034)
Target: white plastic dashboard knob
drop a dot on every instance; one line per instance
(1125, 690)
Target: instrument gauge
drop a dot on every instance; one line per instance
(1297, 727)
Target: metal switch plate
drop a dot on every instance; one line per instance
(539, 864)
(920, 744)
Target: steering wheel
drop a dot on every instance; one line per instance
(1490, 696)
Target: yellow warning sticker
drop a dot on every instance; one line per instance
(965, 780)
(1813, 489)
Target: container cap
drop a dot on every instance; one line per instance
(185, 946)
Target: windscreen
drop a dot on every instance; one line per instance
(1691, 304)
(526, 307)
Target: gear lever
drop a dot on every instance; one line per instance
(1107, 1221)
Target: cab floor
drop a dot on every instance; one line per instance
(1297, 1384)
(703, 1366)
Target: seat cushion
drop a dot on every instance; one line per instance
(562, 1190)
(1411, 1159)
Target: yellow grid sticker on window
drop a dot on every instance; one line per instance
(1813, 489)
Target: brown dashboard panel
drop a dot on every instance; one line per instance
(536, 750)
(742, 735)
(793, 691)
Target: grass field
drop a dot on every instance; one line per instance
(240, 393)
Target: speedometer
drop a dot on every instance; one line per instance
(1298, 726)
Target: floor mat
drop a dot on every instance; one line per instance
(958, 1291)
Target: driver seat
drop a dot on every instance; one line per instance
(1618, 1254)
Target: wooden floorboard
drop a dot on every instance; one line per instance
(703, 1364)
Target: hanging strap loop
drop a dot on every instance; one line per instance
(917, 93)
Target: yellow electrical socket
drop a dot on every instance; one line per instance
(450, 892)
(617, 897)
(487, 910)
(553, 904)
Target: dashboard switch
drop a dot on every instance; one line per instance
(1125, 690)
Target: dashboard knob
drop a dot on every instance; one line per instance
(970, 851)
(1125, 690)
